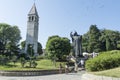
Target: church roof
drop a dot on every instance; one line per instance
(33, 10)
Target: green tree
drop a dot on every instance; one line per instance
(31, 59)
(29, 50)
(108, 44)
(94, 43)
(9, 38)
(91, 40)
(58, 47)
(100, 40)
(85, 42)
(110, 39)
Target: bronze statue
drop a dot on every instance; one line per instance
(76, 44)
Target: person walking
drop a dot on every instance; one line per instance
(60, 68)
(66, 68)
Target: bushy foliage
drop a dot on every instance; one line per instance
(29, 50)
(57, 47)
(106, 60)
(97, 40)
(9, 38)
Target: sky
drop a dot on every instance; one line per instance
(60, 17)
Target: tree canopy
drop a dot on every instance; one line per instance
(57, 47)
(9, 38)
(100, 40)
(39, 47)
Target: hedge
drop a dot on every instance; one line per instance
(105, 60)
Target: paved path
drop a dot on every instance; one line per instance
(69, 76)
(88, 76)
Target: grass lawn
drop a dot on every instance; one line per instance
(43, 64)
(111, 72)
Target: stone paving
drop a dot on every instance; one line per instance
(88, 76)
(69, 76)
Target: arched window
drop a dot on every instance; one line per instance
(36, 18)
(29, 18)
(32, 18)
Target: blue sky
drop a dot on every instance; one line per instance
(60, 17)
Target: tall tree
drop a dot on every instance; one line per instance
(100, 40)
(85, 41)
(91, 40)
(93, 37)
(110, 38)
(9, 37)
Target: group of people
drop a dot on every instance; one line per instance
(61, 68)
(76, 63)
(90, 55)
(64, 69)
(67, 68)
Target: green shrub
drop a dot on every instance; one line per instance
(105, 60)
(40, 58)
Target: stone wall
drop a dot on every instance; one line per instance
(29, 72)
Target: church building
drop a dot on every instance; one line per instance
(32, 30)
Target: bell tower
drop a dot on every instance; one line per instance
(32, 29)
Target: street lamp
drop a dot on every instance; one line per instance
(31, 47)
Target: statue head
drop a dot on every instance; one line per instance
(75, 33)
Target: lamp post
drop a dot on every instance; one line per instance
(31, 47)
